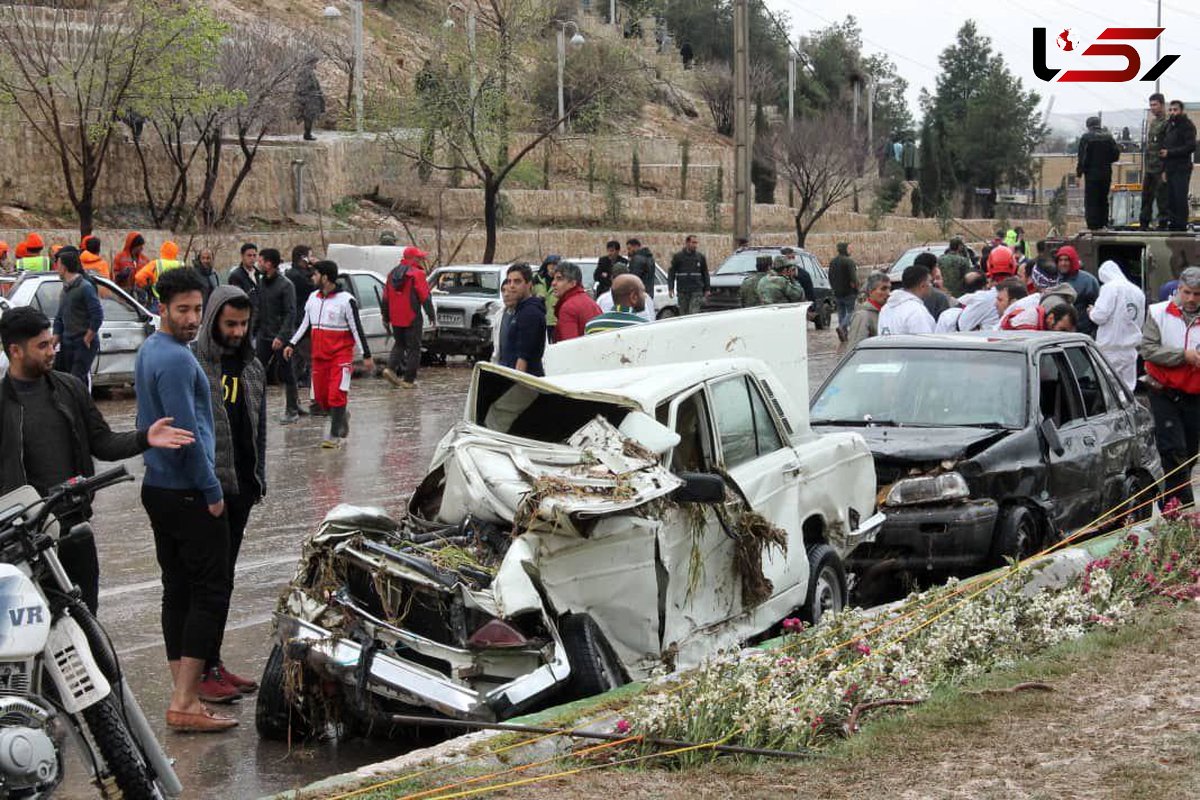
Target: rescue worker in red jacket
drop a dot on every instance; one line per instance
(1171, 350)
(331, 317)
(573, 309)
(406, 294)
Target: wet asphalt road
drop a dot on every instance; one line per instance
(392, 438)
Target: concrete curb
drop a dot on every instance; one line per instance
(1052, 572)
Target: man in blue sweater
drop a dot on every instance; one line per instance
(182, 496)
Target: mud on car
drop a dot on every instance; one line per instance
(575, 532)
(987, 446)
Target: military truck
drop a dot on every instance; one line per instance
(1148, 258)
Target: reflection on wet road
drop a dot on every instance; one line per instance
(392, 438)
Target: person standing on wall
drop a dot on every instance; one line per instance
(689, 272)
(1097, 153)
(331, 318)
(1178, 147)
(1154, 187)
(182, 496)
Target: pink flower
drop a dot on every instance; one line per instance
(785, 661)
(904, 681)
(623, 726)
(1132, 540)
(817, 722)
(863, 648)
(1171, 509)
(793, 625)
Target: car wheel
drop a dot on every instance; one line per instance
(594, 666)
(1134, 484)
(274, 717)
(1016, 535)
(667, 313)
(826, 584)
(824, 315)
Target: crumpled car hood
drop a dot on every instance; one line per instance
(922, 445)
(546, 487)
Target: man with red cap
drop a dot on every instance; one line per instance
(406, 294)
(1087, 288)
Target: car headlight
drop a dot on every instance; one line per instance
(928, 489)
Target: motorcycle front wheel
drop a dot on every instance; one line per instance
(120, 751)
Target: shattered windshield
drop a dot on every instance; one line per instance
(475, 283)
(518, 409)
(929, 388)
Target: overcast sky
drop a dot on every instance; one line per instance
(914, 32)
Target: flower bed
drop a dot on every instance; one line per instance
(806, 690)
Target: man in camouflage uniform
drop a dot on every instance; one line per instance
(1154, 188)
(954, 264)
(779, 286)
(748, 293)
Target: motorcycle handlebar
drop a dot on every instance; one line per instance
(101, 480)
(71, 490)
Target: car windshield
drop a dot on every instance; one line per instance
(478, 283)
(739, 263)
(925, 388)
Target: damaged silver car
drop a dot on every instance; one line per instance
(615, 519)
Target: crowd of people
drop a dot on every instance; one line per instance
(1052, 292)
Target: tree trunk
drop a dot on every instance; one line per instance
(86, 210)
(248, 155)
(801, 232)
(491, 199)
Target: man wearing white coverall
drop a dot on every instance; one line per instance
(1120, 313)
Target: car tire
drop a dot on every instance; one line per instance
(668, 313)
(1016, 535)
(824, 315)
(827, 588)
(594, 666)
(274, 717)
(1133, 484)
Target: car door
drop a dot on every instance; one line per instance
(125, 328)
(1074, 476)
(765, 470)
(698, 585)
(368, 290)
(1111, 414)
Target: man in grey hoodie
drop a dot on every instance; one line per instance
(237, 383)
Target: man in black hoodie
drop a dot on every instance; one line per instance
(300, 273)
(276, 323)
(641, 263)
(1178, 147)
(237, 387)
(1097, 152)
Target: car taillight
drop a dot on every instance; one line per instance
(497, 633)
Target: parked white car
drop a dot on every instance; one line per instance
(127, 322)
(367, 287)
(467, 300)
(585, 529)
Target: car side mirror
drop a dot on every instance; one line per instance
(700, 488)
(1050, 434)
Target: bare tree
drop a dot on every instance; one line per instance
(715, 85)
(72, 75)
(819, 158)
(474, 128)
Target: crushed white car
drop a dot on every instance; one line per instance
(658, 497)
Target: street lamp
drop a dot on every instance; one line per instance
(449, 25)
(356, 18)
(576, 41)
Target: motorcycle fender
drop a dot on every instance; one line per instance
(69, 661)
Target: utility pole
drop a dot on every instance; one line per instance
(791, 88)
(356, 8)
(1158, 43)
(742, 196)
(871, 115)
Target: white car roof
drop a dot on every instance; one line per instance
(649, 386)
(470, 268)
